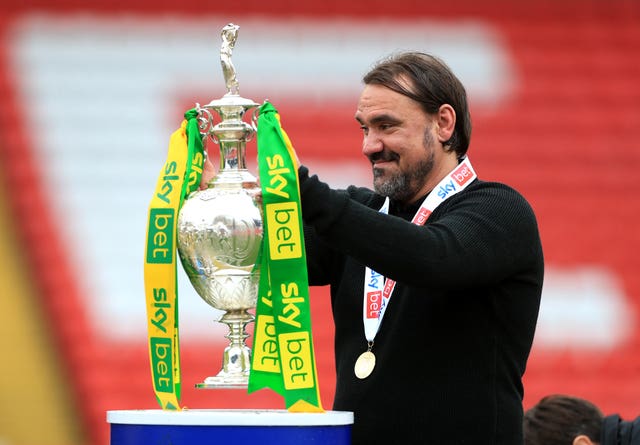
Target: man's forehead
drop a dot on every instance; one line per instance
(376, 100)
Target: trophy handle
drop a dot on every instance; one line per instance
(254, 124)
(206, 123)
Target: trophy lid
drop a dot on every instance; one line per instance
(231, 100)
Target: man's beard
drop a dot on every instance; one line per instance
(403, 185)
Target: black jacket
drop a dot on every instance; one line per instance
(455, 339)
(616, 431)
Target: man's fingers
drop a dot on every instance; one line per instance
(208, 173)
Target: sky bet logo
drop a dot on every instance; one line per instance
(374, 303)
(161, 362)
(284, 232)
(422, 216)
(460, 175)
(160, 238)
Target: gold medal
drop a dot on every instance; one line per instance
(365, 364)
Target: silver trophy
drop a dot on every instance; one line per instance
(220, 227)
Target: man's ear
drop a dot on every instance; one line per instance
(582, 440)
(446, 119)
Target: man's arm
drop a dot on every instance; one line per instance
(478, 237)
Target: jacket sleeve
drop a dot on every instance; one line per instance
(478, 237)
(320, 258)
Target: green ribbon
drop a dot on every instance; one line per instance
(283, 357)
(180, 176)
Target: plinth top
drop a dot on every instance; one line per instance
(234, 417)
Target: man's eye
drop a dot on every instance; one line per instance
(364, 129)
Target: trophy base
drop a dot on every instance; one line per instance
(224, 382)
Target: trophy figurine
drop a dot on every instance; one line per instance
(220, 228)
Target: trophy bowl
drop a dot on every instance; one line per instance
(219, 238)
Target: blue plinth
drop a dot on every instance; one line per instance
(208, 426)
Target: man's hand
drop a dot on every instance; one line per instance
(208, 173)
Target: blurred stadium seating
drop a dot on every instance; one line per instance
(560, 121)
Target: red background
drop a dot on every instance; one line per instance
(567, 139)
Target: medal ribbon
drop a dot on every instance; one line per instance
(179, 177)
(283, 358)
(377, 290)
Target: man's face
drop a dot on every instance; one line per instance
(399, 140)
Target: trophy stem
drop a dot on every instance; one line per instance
(236, 359)
(232, 155)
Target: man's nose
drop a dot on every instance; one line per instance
(371, 143)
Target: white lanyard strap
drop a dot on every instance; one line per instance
(377, 290)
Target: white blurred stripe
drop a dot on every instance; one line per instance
(584, 307)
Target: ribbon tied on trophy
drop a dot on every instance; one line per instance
(241, 245)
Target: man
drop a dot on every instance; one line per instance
(441, 360)
(566, 420)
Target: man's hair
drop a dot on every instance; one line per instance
(430, 82)
(558, 419)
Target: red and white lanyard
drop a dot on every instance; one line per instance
(377, 290)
